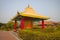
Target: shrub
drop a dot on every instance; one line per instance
(38, 35)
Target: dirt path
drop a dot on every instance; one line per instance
(5, 35)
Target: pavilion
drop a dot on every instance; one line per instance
(27, 17)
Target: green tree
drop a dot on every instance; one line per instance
(10, 25)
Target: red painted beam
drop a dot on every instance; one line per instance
(22, 24)
(15, 23)
(43, 24)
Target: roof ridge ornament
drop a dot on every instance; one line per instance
(17, 12)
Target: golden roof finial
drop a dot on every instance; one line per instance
(28, 6)
(28, 9)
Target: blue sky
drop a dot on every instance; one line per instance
(8, 8)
